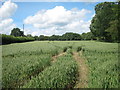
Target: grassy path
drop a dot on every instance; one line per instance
(82, 71)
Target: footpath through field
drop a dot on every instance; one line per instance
(82, 71)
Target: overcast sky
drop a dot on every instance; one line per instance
(46, 18)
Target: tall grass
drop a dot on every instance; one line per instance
(17, 69)
(61, 74)
(103, 69)
(22, 60)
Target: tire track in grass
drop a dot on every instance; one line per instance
(82, 81)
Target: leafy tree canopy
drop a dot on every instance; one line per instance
(16, 32)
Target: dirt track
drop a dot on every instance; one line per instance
(82, 71)
(82, 81)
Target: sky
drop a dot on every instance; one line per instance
(46, 18)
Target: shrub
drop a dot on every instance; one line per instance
(7, 39)
(70, 47)
(79, 48)
(64, 49)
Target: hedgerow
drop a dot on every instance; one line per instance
(7, 39)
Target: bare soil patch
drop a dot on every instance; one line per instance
(82, 71)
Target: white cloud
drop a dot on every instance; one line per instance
(6, 11)
(6, 25)
(59, 20)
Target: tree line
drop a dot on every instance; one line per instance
(17, 36)
(69, 36)
(104, 27)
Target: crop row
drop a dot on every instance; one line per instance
(61, 74)
(25, 61)
(29, 48)
(103, 69)
(16, 70)
(29, 53)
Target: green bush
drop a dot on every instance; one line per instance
(64, 49)
(70, 47)
(7, 39)
(79, 48)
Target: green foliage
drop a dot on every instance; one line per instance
(64, 49)
(69, 51)
(16, 69)
(106, 13)
(70, 47)
(54, 37)
(79, 48)
(71, 36)
(61, 74)
(7, 39)
(41, 37)
(64, 37)
(36, 37)
(113, 31)
(27, 60)
(103, 66)
(55, 52)
(87, 36)
(16, 32)
(29, 35)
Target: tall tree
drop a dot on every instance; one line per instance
(71, 36)
(87, 36)
(41, 37)
(105, 13)
(29, 35)
(113, 31)
(54, 37)
(16, 32)
(36, 37)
